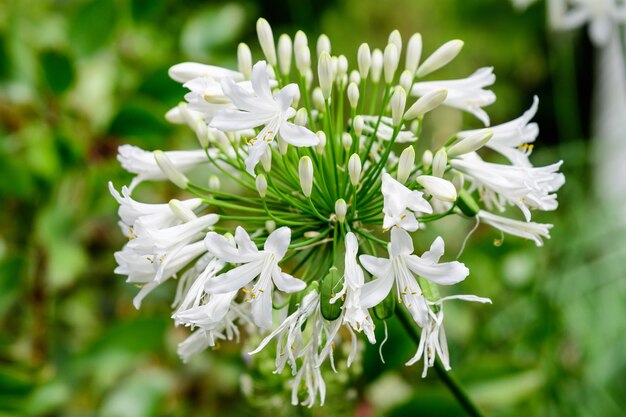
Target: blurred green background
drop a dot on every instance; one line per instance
(79, 78)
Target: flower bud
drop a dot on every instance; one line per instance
(426, 103)
(181, 211)
(440, 161)
(470, 143)
(341, 209)
(467, 204)
(301, 118)
(354, 169)
(323, 44)
(346, 140)
(406, 80)
(266, 159)
(261, 185)
(244, 60)
(325, 74)
(397, 102)
(214, 182)
(396, 39)
(355, 77)
(270, 226)
(302, 53)
(442, 56)
(406, 163)
(390, 60)
(413, 52)
(296, 98)
(284, 54)
(377, 65)
(318, 99)
(364, 60)
(305, 170)
(342, 66)
(283, 146)
(458, 180)
(353, 95)
(169, 170)
(427, 159)
(358, 124)
(438, 187)
(322, 141)
(266, 40)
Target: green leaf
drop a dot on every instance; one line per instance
(58, 70)
(138, 396)
(92, 26)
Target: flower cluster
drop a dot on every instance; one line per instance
(316, 246)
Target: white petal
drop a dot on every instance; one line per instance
(286, 282)
(278, 242)
(298, 135)
(436, 251)
(401, 242)
(444, 274)
(219, 246)
(373, 292)
(244, 244)
(260, 81)
(234, 279)
(285, 96)
(262, 309)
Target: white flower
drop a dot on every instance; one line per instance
(142, 163)
(401, 204)
(512, 139)
(402, 269)
(433, 340)
(254, 263)
(260, 108)
(467, 94)
(385, 129)
(186, 71)
(523, 187)
(601, 15)
(527, 230)
(150, 215)
(353, 313)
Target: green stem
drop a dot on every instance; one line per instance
(446, 377)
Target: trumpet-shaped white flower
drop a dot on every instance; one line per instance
(401, 270)
(523, 187)
(512, 139)
(601, 15)
(433, 342)
(528, 230)
(353, 313)
(401, 204)
(254, 263)
(261, 108)
(142, 163)
(466, 94)
(187, 71)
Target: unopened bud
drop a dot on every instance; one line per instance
(214, 182)
(318, 99)
(438, 187)
(442, 56)
(406, 80)
(427, 159)
(346, 140)
(284, 54)
(244, 60)
(458, 180)
(266, 159)
(305, 170)
(396, 39)
(323, 44)
(364, 60)
(341, 209)
(342, 66)
(325, 74)
(169, 170)
(470, 143)
(322, 142)
(440, 161)
(301, 118)
(413, 52)
(283, 146)
(377, 65)
(397, 102)
(353, 95)
(358, 124)
(355, 77)
(354, 169)
(426, 103)
(181, 211)
(270, 226)
(266, 40)
(406, 163)
(261, 185)
(301, 52)
(391, 59)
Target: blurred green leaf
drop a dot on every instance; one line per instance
(138, 396)
(92, 26)
(58, 70)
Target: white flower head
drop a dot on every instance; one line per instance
(401, 270)
(254, 263)
(527, 230)
(261, 108)
(401, 204)
(466, 94)
(602, 16)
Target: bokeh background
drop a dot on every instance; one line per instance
(79, 78)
